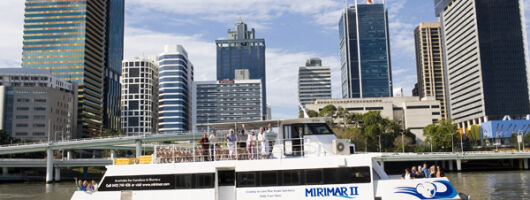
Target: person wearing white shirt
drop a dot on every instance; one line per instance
(251, 145)
(213, 145)
(264, 143)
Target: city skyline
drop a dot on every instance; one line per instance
(285, 51)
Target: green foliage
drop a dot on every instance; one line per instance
(7, 139)
(353, 134)
(327, 111)
(439, 135)
(110, 133)
(474, 133)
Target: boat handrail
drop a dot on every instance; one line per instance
(194, 152)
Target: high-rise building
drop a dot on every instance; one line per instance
(227, 101)
(113, 59)
(241, 50)
(314, 81)
(365, 52)
(175, 86)
(486, 59)
(139, 96)
(429, 62)
(34, 105)
(79, 41)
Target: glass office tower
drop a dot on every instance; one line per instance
(487, 70)
(242, 51)
(79, 41)
(175, 85)
(115, 21)
(365, 52)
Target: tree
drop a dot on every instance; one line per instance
(440, 134)
(353, 134)
(6, 138)
(328, 111)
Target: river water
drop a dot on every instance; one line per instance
(506, 185)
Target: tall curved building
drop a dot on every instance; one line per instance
(176, 77)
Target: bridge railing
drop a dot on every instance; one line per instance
(176, 133)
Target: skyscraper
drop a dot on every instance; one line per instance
(314, 81)
(175, 85)
(139, 97)
(486, 59)
(113, 60)
(429, 63)
(79, 41)
(242, 51)
(365, 52)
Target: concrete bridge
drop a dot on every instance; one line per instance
(137, 143)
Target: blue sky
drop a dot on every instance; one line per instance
(294, 30)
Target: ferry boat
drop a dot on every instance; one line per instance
(306, 161)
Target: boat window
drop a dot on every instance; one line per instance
(269, 178)
(319, 129)
(226, 178)
(292, 177)
(346, 175)
(204, 180)
(323, 176)
(183, 181)
(313, 176)
(246, 179)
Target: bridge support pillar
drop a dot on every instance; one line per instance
(459, 165)
(525, 163)
(5, 171)
(138, 148)
(49, 165)
(450, 163)
(112, 154)
(57, 174)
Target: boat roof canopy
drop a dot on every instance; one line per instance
(263, 123)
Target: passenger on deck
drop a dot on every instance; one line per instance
(231, 142)
(270, 137)
(242, 140)
(94, 186)
(251, 145)
(439, 172)
(426, 171)
(264, 143)
(204, 144)
(214, 142)
(432, 171)
(413, 172)
(84, 187)
(78, 184)
(406, 175)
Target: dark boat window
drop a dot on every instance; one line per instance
(204, 180)
(313, 176)
(226, 178)
(292, 177)
(321, 176)
(246, 179)
(269, 178)
(183, 181)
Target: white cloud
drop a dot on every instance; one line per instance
(12, 13)
(261, 11)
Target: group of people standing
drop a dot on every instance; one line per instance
(435, 171)
(248, 141)
(85, 185)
